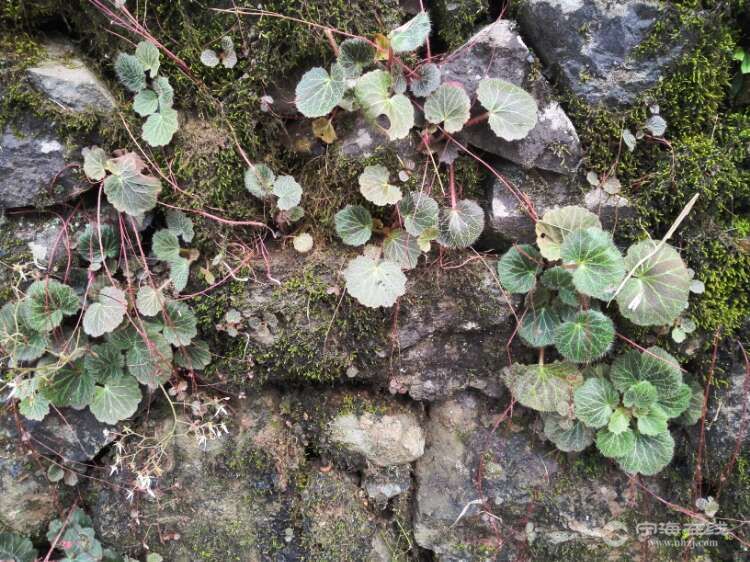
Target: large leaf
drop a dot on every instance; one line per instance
(17, 338)
(461, 225)
(46, 302)
(195, 356)
(15, 548)
(130, 72)
(116, 399)
(127, 189)
(374, 186)
(148, 54)
(259, 180)
(595, 401)
(512, 110)
(165, 245)
(428, 81)
(419, 212)
(653, 365)
(94, 159)
(288, 191)
(557, 224)
(613, 445)
(402, 248)
(149, 301)
(104, 315)
(567, 435)
(70, 386)
(585, 337)
(449, 105)
(518, 268)
(373, 93)
(676, 403)
(411, 35)
(103, 361)
(318, 92)
(599, 266)
(658, 290)
(354, 55)
(180, 324)
(160, 127)
(545, 388)
(96, 249)
(150, 361)
(353, 225)
(649, 455)
(180, 224)
(373, 282)
(538, 326)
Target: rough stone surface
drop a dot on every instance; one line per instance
(361, 138)
(497, 51)
(590, 45)
(381, 485)
(64, 78)
(384, 440)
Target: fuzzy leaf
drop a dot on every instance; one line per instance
(145, 102)
(15, 548)
(676, 403)
(180, 224)
(595, 401)
(545, 388)
(150, 362)
(461, 226)
(656, 125)
(164, 91)
(513, 112)
(34, 407)
(103, 361)
(165, 245)
(195, 356)
(558, 224)
(373, 282)
(428, 82)
(130, 72)
(653, 421)
(619, 421)
(561, 280)
(419, 212)
(658, 290)
(450, 105)
(613, 445)
(402, 248)
(46, 302)
(353, 225)
(599, 264)
(180, 324)
(654, 365)
(160, 127)
(518, 268)
(567, 435)
(411, 35)
(94, 159)
(70, 386)
(259, 180)
(17, 338)
(117, 399)
(288, 191)
(149, 300)
(209, 58)
(373, 93)
(179, 273)
(354, 55)
(374, 186)
(90, 246)
(148, 54)
(650, 454)
(641, 395)
(106, 314)
(127, 189)
(538, 326)
(586, 337)
(318, 92)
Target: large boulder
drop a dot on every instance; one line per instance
(591, 45)
(497, 51)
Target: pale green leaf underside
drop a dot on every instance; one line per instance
(449, 105)
(94, 159)
(35, 407)
(411, 35)
(373, 93)
(160, 127)
(318, 92)
(259, 180)
(288, 192)
(402, 248)
(513, 112)
(165, 245)
(374, 186)
(117, 399)
(145, 102)
(148, 54)
(180, 224)
(374, 283)
(149, 300)
(104, 315)
(128, 190)
(557, 224)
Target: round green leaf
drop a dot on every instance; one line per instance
(373, 93)
(195, 356)
(288, 191)
(538, 326)
(641, 395)
(649, 455)
(104, 361)
(654, 365)
(354, 55)
(106, 314)
(567, 435)
(259, 180)
(165, 245)
(318, 92)
(411, 35)
(677, 402)
(595, 401)
(160, 127)
(34, 407)
(374, 186)
(148, 54)
(127, 189)
(619, 421)
(613, 445)
(586, 337)
(209, 58)
(518, 268)
(17, 338)
(460, 226)
(90, 245)
(450, 105)
(545, 388)
(130, 72)
(71, 386)
(402, 248)
(180, 324)
(46, 302)
(149, 301)
(561, 280)
(117, 399)
(658, 290)
(373, 282)
(428, 81)
(180, 224)
(419, 212)
(145, 102)
(513, 112)
(150, 361)
(94, 159)
(653, 421)
(599, 264)
(353, 225)
(557, 224)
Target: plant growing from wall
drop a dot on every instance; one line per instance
(570, 277)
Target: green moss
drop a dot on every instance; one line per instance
(456, 22)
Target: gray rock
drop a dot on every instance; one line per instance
(590, 45)
(384, 440)
(32, 157)
(65, 79)
(361, 138)
(497, 51)
(383, 484)
(507, 221)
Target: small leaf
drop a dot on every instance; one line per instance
(209, 58)
(373, 93)
(180, 324)
(656, 125)
(613, 445)
(558, 224)
(561, 280)
(419, 212)
(461, 226)
(303, 242)
(374, 186)
(373, 282)
(411, 35)
(354, 55)
(595, 401)
(195, 356)
(450, 105)
(513, 112)
(567, 435)
(629, 139)
(17, 338)
(641, 395)
(55, 473)
(697, 286)
(150, 361)
(519, 267)
(586, 337)
(164, 91)
(649, 455)
(317, 93)
(117, 399)
(599, 264)
(676, 402)
(149, 301)
(353, 225)
(653, 421)
(402, 248)
(288, 191)
(106, 314)
(159, 128)
(657, 291)
(259, 180)
(103, 361)
(130, 72)
(619, 421)
(165, 245)
(94, 159)
(229, 55)
(145, 102)
(322, 128)
(428, 82)
(35, 407)
(180, 224)
(545, 388)
(127, 189)
(46, 302)
(90, 245)
(148, 54)
(70, 386)
(179, 273)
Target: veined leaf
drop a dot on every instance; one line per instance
(71, 386)
(545, 388)
(209, 58)
(658, 290)
(34, 407)
(116, 399)
(90, 245)
(160, 127)
(149, 301)
(374, 186)
(460, 226)
(17, 338)
(127, 189)
(557, 224)
(259, 180)
(641, 395)
(649, 455)
(694, 411)
(402, 248)
(106, 314)
(561, 280)
(150, 361)
(373, 282)
(676, 403)
(411, 35)
(653, 421)
(373, 93)
(354, 55)
(165, 245)
(613, 445)
(599, 264)
(538, 326)
(148, 54)
(103, 361)
(93, 163)
(619, 421)
(46, 302)
(654, 365)
(428, 82)
(180, 224)
(518, 268)
(195, 356)
(288, 191)
(567, 435)
(15, 548)
(179, 273)
(353, 225)
(180, 324)
(130, 72)
(145, 102)
(164, 92)
(318, 92)
(513, 112)
(586, 337)
(419, 212)
(449, 105)
(595, 401)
